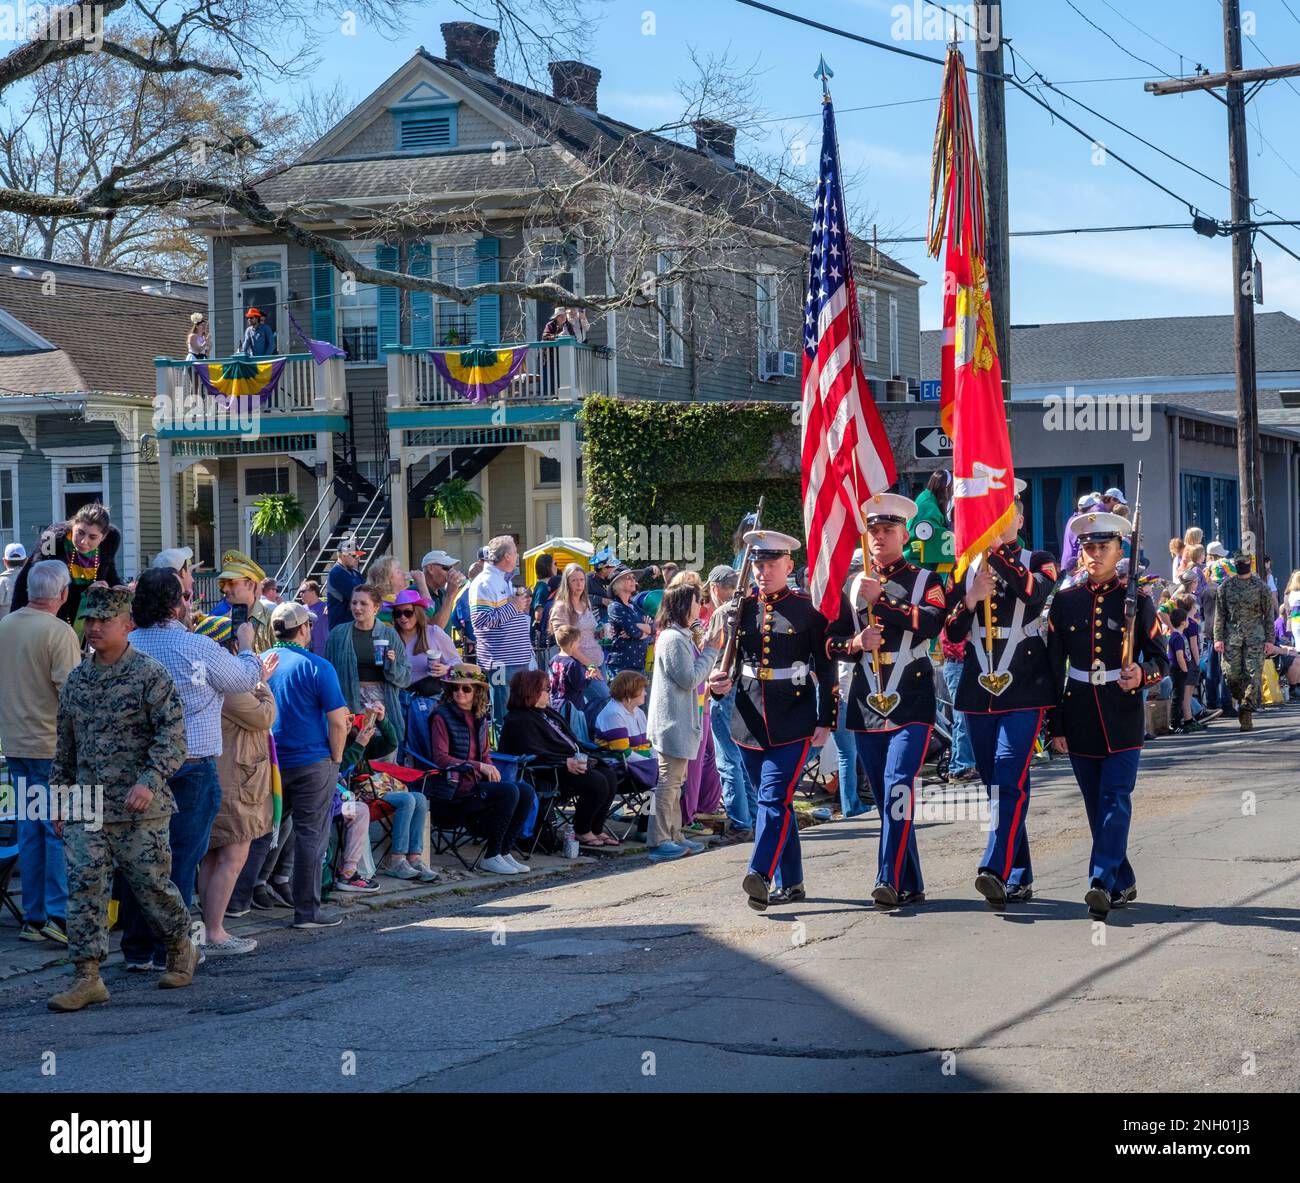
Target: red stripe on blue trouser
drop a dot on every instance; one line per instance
(1106, 784)
(891, 760)
(1004, 746)
(776, 772)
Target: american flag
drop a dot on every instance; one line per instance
(846, 453)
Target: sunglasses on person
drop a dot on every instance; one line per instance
(462, 689)
(403, 612)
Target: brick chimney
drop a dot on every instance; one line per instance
(712, 135)
(472, 45)
(575, 82)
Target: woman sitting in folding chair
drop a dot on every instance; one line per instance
(532, 728)
(470, 782)
(374, 786)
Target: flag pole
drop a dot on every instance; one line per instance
(825, 73)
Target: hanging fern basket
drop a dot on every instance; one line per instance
(454, 503)
(277, 513)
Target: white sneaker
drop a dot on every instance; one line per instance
(498, 865)
(514, 862)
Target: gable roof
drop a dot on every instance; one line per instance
(1158, 347)
(104, 329)
(693, 174)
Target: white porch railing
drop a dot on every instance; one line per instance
(554, 371)
(304, 386)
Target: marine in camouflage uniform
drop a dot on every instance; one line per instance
(119, 726)
(1243, 622)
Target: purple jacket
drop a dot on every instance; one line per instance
(320, 627)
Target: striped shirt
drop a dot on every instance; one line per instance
(501, 631)
(204, 674)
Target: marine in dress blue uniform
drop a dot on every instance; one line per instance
(1004, 695)
(784, 706)
(892, 715)
(1101, 718)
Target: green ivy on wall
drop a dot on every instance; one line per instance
(692, 464)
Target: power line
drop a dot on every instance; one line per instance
(1118, 45)
(1150, 36)
(910, 53)
(1292, 11)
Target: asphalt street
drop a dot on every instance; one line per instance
(636, 977)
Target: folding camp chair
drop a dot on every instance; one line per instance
(8, 863)
(632, 796)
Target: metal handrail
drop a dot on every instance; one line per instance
(165, 362)
(363, 530)
(281, 576)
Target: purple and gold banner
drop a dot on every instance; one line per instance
(240, 379)
(478, 374)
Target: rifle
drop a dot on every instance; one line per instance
(1131, 592)
(731, 648)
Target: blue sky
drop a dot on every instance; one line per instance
(1058, 179)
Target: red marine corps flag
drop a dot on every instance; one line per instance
(970, 409)
(846, 453)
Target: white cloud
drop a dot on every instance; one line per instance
(881, 158)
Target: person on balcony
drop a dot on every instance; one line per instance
(258, 341)
(567, 322)
(344, 578)
(196, 344)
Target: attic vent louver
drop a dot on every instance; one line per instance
(425, 131)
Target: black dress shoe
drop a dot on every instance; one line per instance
(264, 899)
(758, 891)
(1098, 901)
(787, 895)
(1119, 898)
(1020, 895)
(884, 896)
(910, 897)
(992, 889)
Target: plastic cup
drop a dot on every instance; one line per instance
(381, 648)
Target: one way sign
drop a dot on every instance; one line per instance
(929, 443)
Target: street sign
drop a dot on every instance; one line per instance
(929, 443)
(930, 390)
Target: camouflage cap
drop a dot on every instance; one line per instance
(104, 603)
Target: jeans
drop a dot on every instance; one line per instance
(40, 849)
(739, 797)
(499, 683)
(198, 797)
(846, 747)
(409, 813)
(963, 755)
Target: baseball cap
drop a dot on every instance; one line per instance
(1116, 495)
(724, 574)
(1217, 550)
(289, 615)
(14, 552)
(441, 557)
(104, 603)
(172, 559)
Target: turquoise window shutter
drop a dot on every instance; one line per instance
(488, 308)
(421, 302)
(390, 307)
(322, 298)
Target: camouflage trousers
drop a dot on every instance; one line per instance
(1243, 663)
(142, 851)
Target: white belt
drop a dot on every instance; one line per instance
(768, 674)
(1093, 676)
(887, 658)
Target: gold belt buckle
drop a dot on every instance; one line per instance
(886, 658)
(764, 674)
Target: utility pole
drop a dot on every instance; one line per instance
(993, 164)
(1234, 80)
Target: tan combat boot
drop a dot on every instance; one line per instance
(87, 987)
(182, 959)
(1244, 720)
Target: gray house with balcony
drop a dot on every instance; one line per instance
(362, 440)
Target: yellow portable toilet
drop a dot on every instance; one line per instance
(563, 550)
